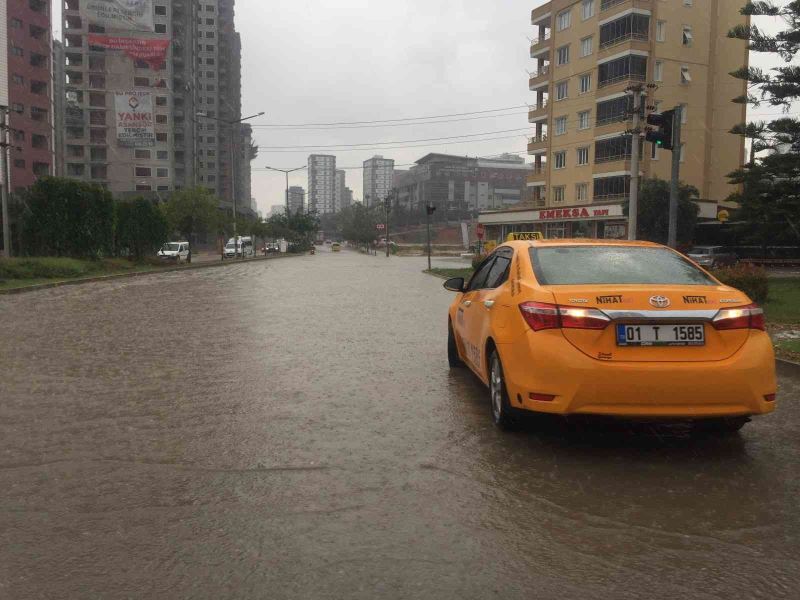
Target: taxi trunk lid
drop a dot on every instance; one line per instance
(675, 311)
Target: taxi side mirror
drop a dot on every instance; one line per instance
(456, 284)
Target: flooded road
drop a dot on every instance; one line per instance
(290, 429)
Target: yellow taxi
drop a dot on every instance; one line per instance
(629, 329)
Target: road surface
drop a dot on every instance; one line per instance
(289, 429)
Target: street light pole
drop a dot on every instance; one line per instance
(4, 187)
(230, 125)
(286, 172)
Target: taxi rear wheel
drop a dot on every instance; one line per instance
(453, 359)
(721, 426)
(498, 395)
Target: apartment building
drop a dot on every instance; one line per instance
(347, 198)
(378, 179)
(195, 95)
(297, 199)
(321, 183)
(27, 56)
(338, 195)
(587, 54)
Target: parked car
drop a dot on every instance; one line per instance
(176, 251)
(712, 256)
(241, 247)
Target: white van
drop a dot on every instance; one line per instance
(242, 247)
(176, 251)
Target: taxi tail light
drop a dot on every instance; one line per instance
(744, 317)
(541, 315)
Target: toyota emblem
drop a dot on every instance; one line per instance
(660, 301)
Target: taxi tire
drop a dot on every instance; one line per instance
(453, 359)
(502, 413)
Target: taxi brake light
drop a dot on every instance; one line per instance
(744, 317)
(541, 315)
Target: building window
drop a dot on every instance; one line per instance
(586, 46)
(583, 155)
(633, 67)
(143, 172)
(563, 20)
(161, 100)
(209, 34)
(613, 111)
(630, 27)
(582, 192)
(38, 141)
(161, 28)
(558, 193)
(562, 55)
(688, 38)
(586, 83)
(19, 163)
(658, 71)
(661, 31)
(161, 119)
(560, 159)
(612, 149)
(587, 9)
(161, 136)
(161, 10)
(141, 82)
(687, 2)
(17, 79)
(15, 23)
(617, 186)
(686, 77)
(17, 51)
(162, 155)
(561, 125)
(162, 173)
(141, 154)
(562, 90)
(583, 119)
(141, 187)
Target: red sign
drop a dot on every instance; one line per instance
(152, 51)
(480, 230)
(380, 226)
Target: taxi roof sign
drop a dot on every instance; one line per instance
(525, 236)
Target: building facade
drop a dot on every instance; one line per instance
(461, 186)
(196, 97)
(297, 199)
(338, 196)
(321, 183)
(347, 198)
(378, 179)
(30, 91)
(588, 55)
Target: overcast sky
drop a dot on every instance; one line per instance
(317, 61)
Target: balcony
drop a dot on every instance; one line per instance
(537, 144)
(540, 78)
(537, 112)
(608, 4)
(537, 42)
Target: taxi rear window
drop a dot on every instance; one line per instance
(581, 265)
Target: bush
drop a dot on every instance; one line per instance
(751, 280)
(141, 228)
(43, 268)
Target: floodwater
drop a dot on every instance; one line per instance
(290, 429)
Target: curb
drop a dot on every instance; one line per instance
(191, 267)
(788, 365)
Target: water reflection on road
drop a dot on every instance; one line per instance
(290, 429)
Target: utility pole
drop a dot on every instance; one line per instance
(388, 205)
(633, 207)
(672, 238)
(429, 210)
(4, 187)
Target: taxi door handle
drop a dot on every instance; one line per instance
(488, 303)
(467, 303)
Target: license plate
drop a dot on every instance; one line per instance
(661, 335)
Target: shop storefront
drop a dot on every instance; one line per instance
(597, 222)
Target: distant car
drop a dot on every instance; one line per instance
(176, 251)
(712, 256)
(336, 247)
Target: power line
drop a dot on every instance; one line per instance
(476, 112)
(405, 124)
(312, 150)
(375, 144)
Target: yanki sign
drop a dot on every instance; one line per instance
(135, 120)
(580, 212)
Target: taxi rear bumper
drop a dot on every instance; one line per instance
(546, 364)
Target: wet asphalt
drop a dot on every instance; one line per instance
(290, 429)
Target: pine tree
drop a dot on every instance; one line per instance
(769, 199)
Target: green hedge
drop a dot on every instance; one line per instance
(43, 268)
(751, 280)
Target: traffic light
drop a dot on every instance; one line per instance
(662, 136)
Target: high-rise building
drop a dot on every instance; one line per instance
(27, 56)
(347, 198)
(588, 55)
(59, 100)
(378, 179)
(321, 183)
(338, 195)
(297, 199)
(195, 96)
